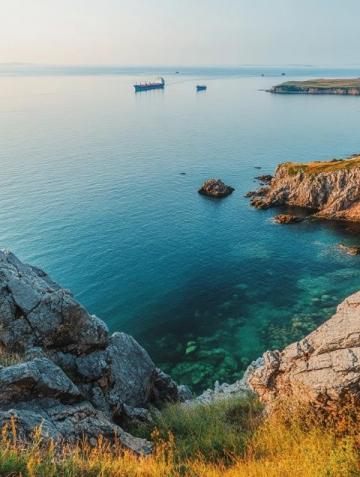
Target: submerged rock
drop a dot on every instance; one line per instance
(76, 378)
(287, 219)
(215, 188)
(350, 250)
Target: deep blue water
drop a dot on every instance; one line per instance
(91, 191)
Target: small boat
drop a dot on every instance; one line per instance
(159, 83)
(201, 87)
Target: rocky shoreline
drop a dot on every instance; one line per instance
(60, 369)
(329, 190)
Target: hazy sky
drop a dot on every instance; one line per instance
(180, 32)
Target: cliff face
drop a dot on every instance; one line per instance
(330, 189)
(62, 368)
(324, 367)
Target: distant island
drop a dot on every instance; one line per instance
(349, 87)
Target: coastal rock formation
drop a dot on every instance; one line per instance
(287, 219)
(70, 372)
(330, 189)
(323, 368)
(215, 188)
(265, 179)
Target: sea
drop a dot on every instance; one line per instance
(98, 186)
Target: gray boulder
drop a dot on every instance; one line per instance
(40, 377)
(75, 377)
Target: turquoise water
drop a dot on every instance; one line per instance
(92, 191)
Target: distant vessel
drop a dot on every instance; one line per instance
(201, 87)
(159, 83)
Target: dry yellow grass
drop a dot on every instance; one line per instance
(323, 166)
(289, 443)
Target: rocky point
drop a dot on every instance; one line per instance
(329, 189)
(63, 370)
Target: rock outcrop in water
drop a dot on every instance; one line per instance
(215, 188)
(287, 219)
(330, 189)
(68, 373)
(323, 368)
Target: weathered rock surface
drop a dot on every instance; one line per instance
(75, 376)
(215, 188)
(330, 189)
(265, 178)
(322, 368)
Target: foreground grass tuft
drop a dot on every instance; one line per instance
(216, 432)
(291, 442)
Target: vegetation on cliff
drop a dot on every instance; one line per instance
(293, 441)
(318, 167)
(330, 189)
(319, 86)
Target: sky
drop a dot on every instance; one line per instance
(180, 32)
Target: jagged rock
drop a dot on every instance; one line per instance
(75, 376)
(215, 188)
(131, 385)
(322, 368)
(40, 377)
(330, 189)
(251, 193)
(287, 219)
(69, 423)
(222, 392)
(265, 178)
(39, 313)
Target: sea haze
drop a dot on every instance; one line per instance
(92, 191)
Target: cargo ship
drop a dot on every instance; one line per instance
(159, 83)
(201, 87)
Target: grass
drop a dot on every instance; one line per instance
(218, 431)
(291, 442)
(320, 84)
(314, 168)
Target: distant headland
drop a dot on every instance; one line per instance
(349, 87)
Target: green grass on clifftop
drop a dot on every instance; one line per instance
(319, 84)
(318, 167)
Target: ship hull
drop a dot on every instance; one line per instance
(147, 87)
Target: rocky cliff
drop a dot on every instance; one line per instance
(62, 369)
(330, 189)
(323, 368)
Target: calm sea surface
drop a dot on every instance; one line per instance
(91, 190)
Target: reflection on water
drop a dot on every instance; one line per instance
(92, 191)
